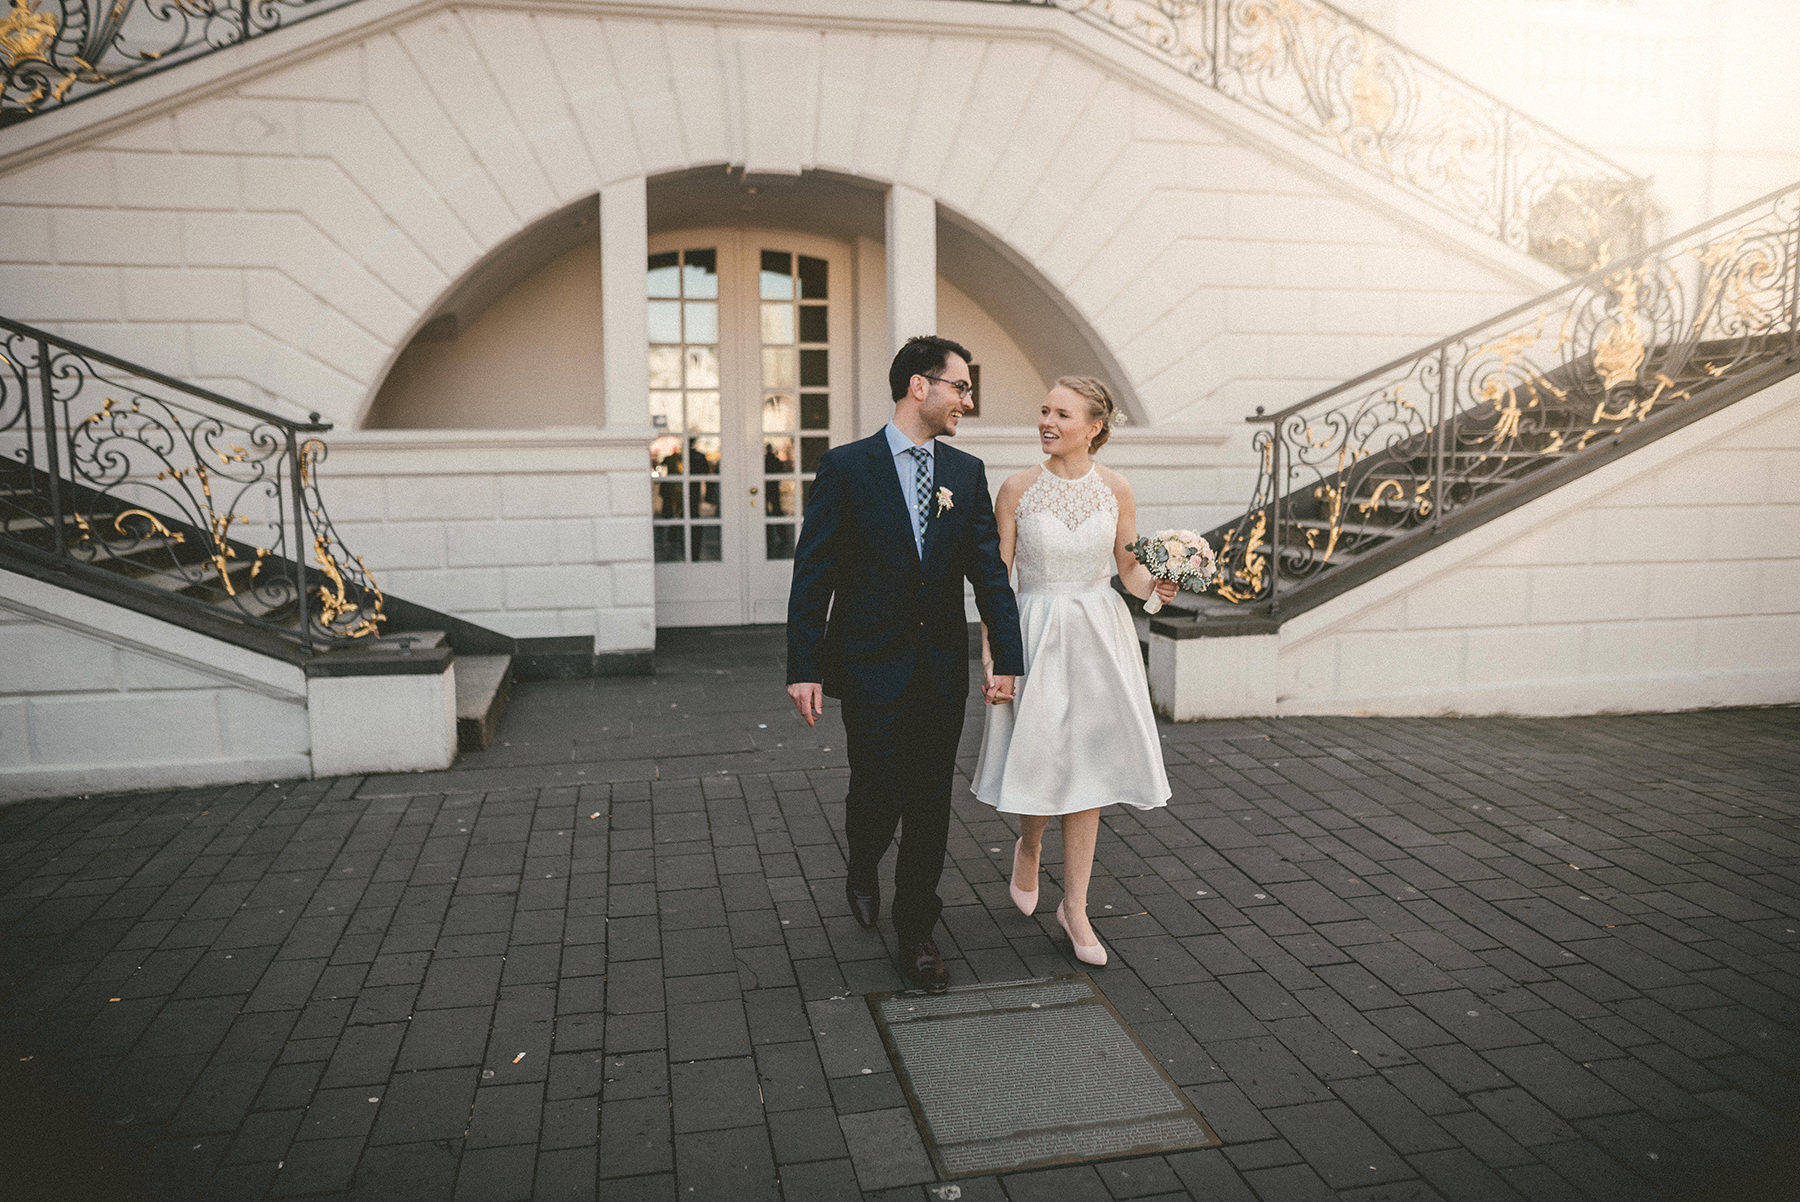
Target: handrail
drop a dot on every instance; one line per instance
(54, 53)
(1391, 454)
(1591, 279)
(310, 426)
(1343, 84)
(195, 498)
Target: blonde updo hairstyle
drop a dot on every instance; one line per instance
(1100, 405)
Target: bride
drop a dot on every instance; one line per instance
(1080, 734)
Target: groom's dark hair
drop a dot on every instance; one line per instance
(923, 355)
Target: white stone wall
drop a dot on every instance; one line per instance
(280, 234)
(1167, 469)
(530, 533)
(1668, 580)
(97, 698)
(282, 237)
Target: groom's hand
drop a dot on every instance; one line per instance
(1000, 691)
(809, 700)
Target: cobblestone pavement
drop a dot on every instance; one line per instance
(610, 957)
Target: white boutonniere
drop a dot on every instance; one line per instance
(943, 502)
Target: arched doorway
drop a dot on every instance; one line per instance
(750, 383)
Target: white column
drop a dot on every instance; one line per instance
(874, 402)
(625, 335)
(911, 265)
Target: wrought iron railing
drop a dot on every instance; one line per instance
(1344, 85)
(1392, 455)
(55, 52)
(175, 492)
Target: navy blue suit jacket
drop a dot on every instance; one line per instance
(865, 614)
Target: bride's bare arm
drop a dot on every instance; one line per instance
(1006, 520)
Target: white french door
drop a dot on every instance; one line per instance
(749, 384)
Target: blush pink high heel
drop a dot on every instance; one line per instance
(1087, 953)
(1026, 901)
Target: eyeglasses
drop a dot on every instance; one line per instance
(963, 387)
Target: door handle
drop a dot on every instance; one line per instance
(753, 497)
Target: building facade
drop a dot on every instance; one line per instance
(585, 288)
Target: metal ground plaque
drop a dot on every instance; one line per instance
(1030, 1073)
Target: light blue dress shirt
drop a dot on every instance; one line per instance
(900, 446)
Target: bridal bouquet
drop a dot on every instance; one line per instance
(1178, 555)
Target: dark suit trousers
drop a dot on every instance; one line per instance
(902, 757)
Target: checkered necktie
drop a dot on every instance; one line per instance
(921, 489)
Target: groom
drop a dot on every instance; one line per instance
(895, 524)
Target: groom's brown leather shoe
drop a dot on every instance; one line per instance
(864, 907)
(923, 965)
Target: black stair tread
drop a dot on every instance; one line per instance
(205, 575)
(1378, 529)
(34, 523)
(1514, 453)
(248, 602)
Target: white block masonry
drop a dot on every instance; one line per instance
(95, 698)
(98, 698)
(530, 533)
(331, 194)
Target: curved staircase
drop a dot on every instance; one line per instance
(127, 495)
(1360, 480)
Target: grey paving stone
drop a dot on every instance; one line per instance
(635, 1138)
(445, 1038)
(885, 1148)
(1393, 1115)
(847, 1037)
(565, 1175)
(1338, 1145)
(319, 1167)
(418, 1172)
(1410, 871)
(867, 1092)
(1143, 1178)
(736, 1163)
(713, 1095)
(496, 1174)
(339, 1114)
(800, 1136)
(1564, 1085)
(1291, 1183)
(505, 1115)
(429, 1105)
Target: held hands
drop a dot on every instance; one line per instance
(809, 700)
(997, 690)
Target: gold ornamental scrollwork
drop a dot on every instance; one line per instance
(26, 34)
(1621, 350)
(149, 519)
(1372, 98)
(334, 600)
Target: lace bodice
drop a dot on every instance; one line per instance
(1065, 531)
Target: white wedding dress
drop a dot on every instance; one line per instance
(1080, 733)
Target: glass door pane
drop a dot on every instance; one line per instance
(792, 295)
(687, 451)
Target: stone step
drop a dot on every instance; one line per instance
(483, 683)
